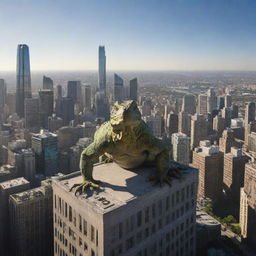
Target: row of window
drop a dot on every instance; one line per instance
(183, 231)
(134, 222)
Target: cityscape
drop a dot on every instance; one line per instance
(129, 162)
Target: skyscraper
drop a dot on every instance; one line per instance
(45, 106)
(181, 148)
(134, 89)
(74, 91)
(87, 97)
(211, 100)
(102, 69)
(45, 145)
(202, 104)
(47, 83)
(32, 121)
(2, 99)
(118, 88)
(23, 83)
(189, 104)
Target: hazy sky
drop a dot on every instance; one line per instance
(137, 34)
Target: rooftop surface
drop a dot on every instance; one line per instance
(13, 183)
(118, 185)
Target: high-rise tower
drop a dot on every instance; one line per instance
(23, 83)
(102, 69)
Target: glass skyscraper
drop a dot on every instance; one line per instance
(23, 83)
(102, 69)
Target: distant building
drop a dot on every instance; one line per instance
(47, 83)
(155, 123)
(228, 101)
(218, 125)
(45, 107)
(227, 141)
(233, 177)
(249, 118)
(118, 88)
(139, 220)
(226, 113)
(211, 100)
(202, 104)
(189, 104)
(45, 145)
(220, 102)
(54, 123)
(23, 82)
(181, 148)
(198, 130)
(247, 206)
(209, 161)
(31, 221)
(74, 91)
(32, 117)
(87, 97)
(3, 92)
(102, 70)
(102, 105)
(58, 91)
(184, 123)
(133, 92)
(65, 109)
(8, 188)
(172, 124)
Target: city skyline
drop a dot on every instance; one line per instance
(166, 35)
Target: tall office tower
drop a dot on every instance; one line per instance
(74, 91)
(209, 160)
(233, 177)
(45, 106)
(226, 113)
(102, 105)
(198, 130)
(251, 146)
(155, 123)
(220, 102)
(218, 125)
(32, 115)
(31, 221)
(2, 100)
(102, 70)
(249, 118)
(133, 89)
(29, 165)
(235, 110)
(202, 104)
(184, 123)
(58, 92)
(247, 205)
(65, 109)
(227, 141)
(228, 101)
(248, 129)
(11, 103)
(6, 189)
(118, 88)
(140, 220)
(181, 148)
(54, 123)
(47, 83)
(87, 97)
(23, 83)
(211, 100)
(249, 115)
(189, 104)
(45, 145)
(172, 124)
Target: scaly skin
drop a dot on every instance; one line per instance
(127, 141)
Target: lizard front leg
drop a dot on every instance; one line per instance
(88, 158)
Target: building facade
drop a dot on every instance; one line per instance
(139, 219)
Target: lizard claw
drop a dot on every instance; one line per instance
(81, 187)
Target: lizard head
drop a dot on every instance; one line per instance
(125, 113)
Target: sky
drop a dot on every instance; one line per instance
(137, 34)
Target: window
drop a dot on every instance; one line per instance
(66, 210)
(80, 223)
(139, 218)
(85, 227)
(167, 203)
(147, 215)
(92, 233)
(177, 197)
(120, 230)
(129, 243)
(160, 209)
(92, 253)
(153, 210)
(70, 213)
(146, 232)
